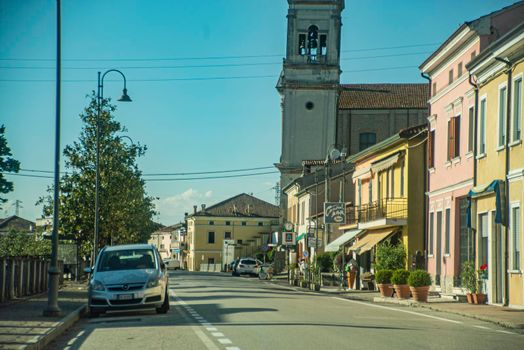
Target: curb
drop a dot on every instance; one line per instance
(413, 305)
(60, 327)
(464, 314)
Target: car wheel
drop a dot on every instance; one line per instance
(165, 306)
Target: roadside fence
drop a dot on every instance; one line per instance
(24, 276)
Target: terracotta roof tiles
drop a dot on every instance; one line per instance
(383, 96)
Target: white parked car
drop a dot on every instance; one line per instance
(172, 264)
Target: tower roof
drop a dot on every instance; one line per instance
(383, 96)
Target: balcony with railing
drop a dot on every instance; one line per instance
(385, 212)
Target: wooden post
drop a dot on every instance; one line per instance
(27, 276)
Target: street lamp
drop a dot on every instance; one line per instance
(100, 96)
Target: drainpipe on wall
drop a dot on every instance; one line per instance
(426, 179)
(509, 72)
(475, 144)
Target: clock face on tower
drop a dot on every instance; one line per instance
(288, 226)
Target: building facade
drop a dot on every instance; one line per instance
(497, 199)
(389, 184)
(452, 144)
(237, 227)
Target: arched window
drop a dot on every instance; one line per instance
(312, 42)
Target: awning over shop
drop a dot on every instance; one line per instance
(385, 163)
(372, 238)
(346, 237)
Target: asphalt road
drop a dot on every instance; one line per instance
(217, 311)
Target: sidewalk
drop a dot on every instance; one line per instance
(22, 325)
(506, 317)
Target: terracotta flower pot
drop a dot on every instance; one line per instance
(479, 298)
(420, 294)
(402, 291)
(386, 289)
(469, 298)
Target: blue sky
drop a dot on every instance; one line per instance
(197, 120)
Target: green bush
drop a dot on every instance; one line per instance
(390, 257)
(325, 262)
(419, 278)
(383, 276)
(468, 276)
(400, 276)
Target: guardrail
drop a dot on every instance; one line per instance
(24, 276)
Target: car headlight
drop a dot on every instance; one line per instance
(97, 285)
(153, 282)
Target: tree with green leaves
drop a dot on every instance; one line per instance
(126, 211)
(7, 165)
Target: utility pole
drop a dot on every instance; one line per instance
(326, 200)
(17, 207)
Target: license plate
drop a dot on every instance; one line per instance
(124, 296)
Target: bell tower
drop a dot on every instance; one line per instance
(309, 83)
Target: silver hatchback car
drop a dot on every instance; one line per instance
(128, 277)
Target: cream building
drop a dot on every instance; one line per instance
(236, 227)
(497, 200)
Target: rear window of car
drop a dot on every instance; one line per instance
(248, 262)
(131, 259)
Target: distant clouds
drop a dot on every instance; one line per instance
(172, 208)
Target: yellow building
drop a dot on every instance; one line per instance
(389, 180)
(237, 227)
(498, 194)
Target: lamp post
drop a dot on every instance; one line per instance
(100, 96)
(52, 309)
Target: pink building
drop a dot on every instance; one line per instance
(451, 146)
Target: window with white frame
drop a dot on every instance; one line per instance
(517, 109)
(471, 127)
(503, 95)
(516, 231)
(482, 127)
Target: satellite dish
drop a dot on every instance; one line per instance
(334, 154)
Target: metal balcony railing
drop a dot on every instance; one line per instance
(390, 208)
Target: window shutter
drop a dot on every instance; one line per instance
(431, 139)
(456, 152)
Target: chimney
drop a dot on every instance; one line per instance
(203, 207)
(195, 209)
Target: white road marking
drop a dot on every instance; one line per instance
(232, 348)
(217, 334)
(506, 332)
(224, 341)
(212, 329)
(205, 339)
(399, 310)
(481, 327)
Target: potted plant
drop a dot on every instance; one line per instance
(383, 278)
(419, 282)
(400, 283)
(469, 279)
(479, 297)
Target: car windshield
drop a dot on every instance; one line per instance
(131, 259)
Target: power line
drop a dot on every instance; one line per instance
(171, 174)
(203, 57)
(213, 177)
(144, 80)
(165, 179)
(197, 78)
(214, 65)
(209, 172)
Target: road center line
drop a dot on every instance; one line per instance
(399, 310)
